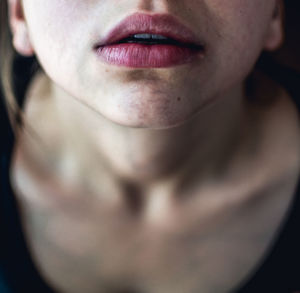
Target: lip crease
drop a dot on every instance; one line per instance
(186, 48)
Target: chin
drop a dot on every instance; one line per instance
(148, 107)
(141, 119)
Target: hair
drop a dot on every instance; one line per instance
(6, 56)
(15, 69)
(11, 80)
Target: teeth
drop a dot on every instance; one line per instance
(143, 36)
(150, 36)
(158, 37)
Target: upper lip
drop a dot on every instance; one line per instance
(161, 24)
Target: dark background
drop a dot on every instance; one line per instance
(289, 54)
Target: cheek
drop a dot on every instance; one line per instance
(57, 33)
(242, 26)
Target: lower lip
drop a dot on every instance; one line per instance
(145, 56)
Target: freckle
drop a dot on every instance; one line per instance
(178, 99)
(106, 70)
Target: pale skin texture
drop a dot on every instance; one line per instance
(153, 180)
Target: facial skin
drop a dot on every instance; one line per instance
(62, 34)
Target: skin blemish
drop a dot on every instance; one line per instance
(178, 99)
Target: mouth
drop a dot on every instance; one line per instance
(154, 39)
(143, 40)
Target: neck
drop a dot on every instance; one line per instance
(149, 157)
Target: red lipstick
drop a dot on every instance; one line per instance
(144, 41)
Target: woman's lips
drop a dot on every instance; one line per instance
(140, 55)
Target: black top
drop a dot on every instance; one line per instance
(278, 272)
